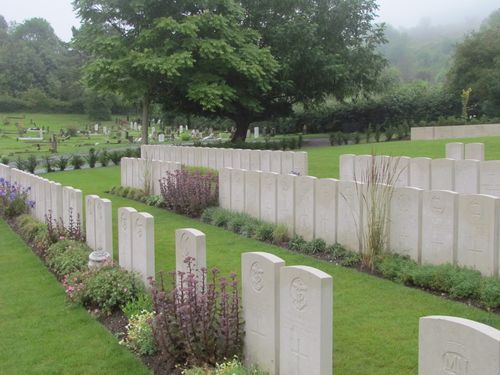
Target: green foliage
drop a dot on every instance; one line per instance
(115, 157)
(31, 163)
(140, 337)
(47, 163)
(77, 161)
(233, 367)
(61, 163)
(29, 227)
(316, 246)
(297, 243)
(264, 232)
(280, 235)
(92, 157)
(104, 158)
(143, 302)
(67, 256)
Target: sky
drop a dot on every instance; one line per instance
(399, 13)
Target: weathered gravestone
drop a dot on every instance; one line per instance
(326, 210)
(219, 158)
(268, 182)
(252, 193)
(362, 168)
(478, 232)
(237, 159)
(350, 215)
(103, 226)
(125, 237)
(304, 206)
(286, 201)
(405, 221)
(276, 157)
(238, 190)
(455, 346)
(260, 274)
(346, 171)
(212, 158)
(439, 227)
(143, 245)
(56, 201)
(420, 173)
(90, 228)
(190, 243)
(442, 174)
(490, 178)
(474, 151)
(255, 160)
(300, 163)
(287, 162)
(455, 150)
(265, 160)
(225, 188)
(306, 305)
(400, 167)
(228, 158)
(467, 176)
(245, 159)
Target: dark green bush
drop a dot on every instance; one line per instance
(317, 246)
(143, 302)
(396, 268)
(92, 157)
(70, 256)
(490, 292)
(29, 227)
(61, 163)
(31, 163)
(115, 157)
(77, 161)
(297, 243)
(264, 232)
(344, 257)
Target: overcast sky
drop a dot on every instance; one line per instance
(404, 13)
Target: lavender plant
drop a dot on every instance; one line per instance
(14, 199)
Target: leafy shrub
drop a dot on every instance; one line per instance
(236, 222)
(61, 163)
(297, 243)
(356, 136)
(31, 164)
(20, 164)
(68, 256)
(104, 158)
(396, 268)
(14, 199)
(77, 161)
(154, 200)
(143, 302)
(280, 235)
(47, 163)
(264, 232)
(490, 292)
(208, 214)
(344, 257)
(29, 227)
(105, 288)
(115, 157)
(389, 133)
(212, 307)
(140, 337)
(4, 160)
(92, 157)
(233, 367)
(189, 193)
(316, 246)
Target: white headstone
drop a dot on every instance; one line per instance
(143, 245)
(490, 177)
(265, 160)
(125, 237)
(161, 138)
(420, 173)
(478, 232)
(405, 222)
(237, 190)
(362, 167)
(304, 206)
(245, 159)
(350, 215)
(252, 193)
(219, 158)
(439, 227)
(56, 201)
(90, 228)
(256, 132)
(346, 167)
(204, 157)
(260, 274)
(228, 158)
(442, 174)
(326, 210)
(287, 162)
(286, 201)
(268, 182)
(455, 150)
(306, 323)
(401, 167)
(467, 176)
(103, 226)
(212, 158)
(276, 162)
(474, 151)
(300, 163)
(255, 160)
(225, 188)
(236, 158)
(190, 243)
(457, 346)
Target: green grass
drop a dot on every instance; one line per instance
(375, 320)
(324, 161)
(40, 332)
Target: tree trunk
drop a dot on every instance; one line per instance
(145, 118)
(240, 134)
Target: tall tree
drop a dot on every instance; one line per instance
(192, 54)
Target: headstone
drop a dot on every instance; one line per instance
(256, 132)
(255, 160)
(265, 160)
(260, 274)
(245, 159)
(56, 201)
(156, 175)
(304, 206)
(225, 188)
(90, 227)
(489, 183)
(228, 158)
(236, 157)
(161, 138)
(455, 150)
(286, 202)
(474, 151)
(478, 232)
(248, 134)
(420, 173)
(212, 158)
(268, 181)
(326, 210)
(219, 158)
(103, 226)
(306, 323)
(350, 215)
(123, 172)
(442, 174)
(346, 167)
(287, 162)
(300, 163)
(136, 172)
(238, 190)
(276, 157)
(405, 222)
(96, 127)
(252, 193)
(204, 157)
(401, 167)
(362, 168)
(467, 176)
(125, 237)
(457, 346)
(439, 227)
(190, 243)
(184, 155)
(143, 245)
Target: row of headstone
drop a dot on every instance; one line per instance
(282, 162)
(143, 173)
(457, 346)
(463, 176)
(136, 244)
(288, 316)
(51, 199)
(433, 226)
(468, 151)
(99, 224)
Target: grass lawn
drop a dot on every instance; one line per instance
(41, 333)
(375, 320)
(324, 161)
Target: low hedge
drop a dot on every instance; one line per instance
(67, 256)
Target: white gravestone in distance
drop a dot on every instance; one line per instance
(478, 232)
(143, 245)
(474, 151)
(405, 220)
(326, 210)
(225, 188)
(455, 150)
(439, 227)
(457, 346)
(489, 180)
(256, 132)
(252, 193)
(268, 182)
(346, 171)
(467, 176)
(304, 206)
(306, 322)
(238, 190)
(420, 173)
(442, 174)
(260, 276)
(190, 243)
(350, 215)
(286, 202)
(125, 237)
(276, 157)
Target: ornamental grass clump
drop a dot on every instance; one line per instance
(198, 319)
(189, 193)
(14, 199)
